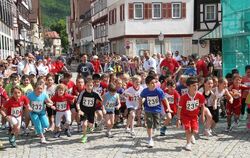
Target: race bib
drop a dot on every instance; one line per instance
(16, 112)
(170, 99)
(88, 102)
(153, 101)
(192, 105)
(110, 105)
(37, 106)
(61, 106)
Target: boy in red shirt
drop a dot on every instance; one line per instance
(12, 112)
(188, 110)
(235, 108)
(173, 98)
(246, 82)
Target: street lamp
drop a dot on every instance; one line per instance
(24, 34)
(161, 38)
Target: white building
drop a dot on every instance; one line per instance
(52, 42)
(135, 25)
(7, 46)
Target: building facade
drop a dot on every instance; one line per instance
(7, 46)
(135, 26)
(207, 26)
(52, 43)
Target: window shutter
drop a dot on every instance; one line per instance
(169, 10)
(131, 11)
(145, 11)
(164, 10)
(150, 10)
(110, 18)
(120, 12)
(183, 10)
(123, 12)
(114, 15)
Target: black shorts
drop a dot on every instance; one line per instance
(73, 106)
(89, 115)
(110, 112)
(121, 110)
(131, 109)
(50, 111)
(215, 113)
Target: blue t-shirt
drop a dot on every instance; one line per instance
(37, 102)
(190, 72)
(110, 102)
(153, 100)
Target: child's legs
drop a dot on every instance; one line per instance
(44, 120)
(37, 123)
(168, 119)
(15, 124)
(84, 126)
(67, 115)
(208, 118)
(27, 117)
(59, 116)
(138, 115)
(117, 115)
(150, 123)
(51, 115)
(74, 115)
(131, 118)
(99, 115)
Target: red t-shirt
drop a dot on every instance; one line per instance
(171, 64)
(3, 96)
(246, 82)
(190, 107)
(14, 107)
(237, 100)
(129, 84)
(201, 66)
(62, 103)
(56, 67)
(96, 64)
(173, 100)
(76, 91)
(70, 86)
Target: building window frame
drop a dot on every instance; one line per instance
(179, 11)
(135, 9)
(153, 10)
(214, 12)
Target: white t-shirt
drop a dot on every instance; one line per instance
(150, 63)
(133, 102)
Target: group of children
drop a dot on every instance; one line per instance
(105, 100)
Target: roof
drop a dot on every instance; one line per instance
(52, 34)
(36, 12)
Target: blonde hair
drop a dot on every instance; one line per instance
(61, 86)
(136, 78)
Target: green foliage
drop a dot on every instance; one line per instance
(54, 14)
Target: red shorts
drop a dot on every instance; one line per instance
(190, 123)
(232, 109)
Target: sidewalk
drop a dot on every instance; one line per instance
(233, 144)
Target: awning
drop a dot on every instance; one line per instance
(214, 34)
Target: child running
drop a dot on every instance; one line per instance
(111, 101)
(188, 111)
(86, 107)
(132, 102)
(152, 106)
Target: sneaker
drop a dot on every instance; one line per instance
(67, 132)
(150, 143)
(57, 134)
(132, 133)
(163, 131)
(12, 140)
(90, 130)
(84, 139)
(127, 130)
(207, 133)
(193, 141)
(214, 133)
(109, 134)
(3, 127)
(188, 147)
(43, 140)
(228, 129)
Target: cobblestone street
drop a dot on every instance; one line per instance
(233, 144)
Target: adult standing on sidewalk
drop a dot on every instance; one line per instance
(170, 65)
(85, 68)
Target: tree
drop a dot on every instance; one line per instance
(60, 27)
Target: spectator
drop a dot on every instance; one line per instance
(191, 69)
(85, 68)
(201, 65)
(27, 65)
(170, 65)
(177, 56)
(149, 62)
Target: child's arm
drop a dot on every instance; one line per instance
(165, 103)
(230, 98)
(49, 103)
(118, 103)
(202, 113)
(178, 123)
(103, 108)
(214, 103)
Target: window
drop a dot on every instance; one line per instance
(122, 15)
(176, 10)
(177, 45)
(210, 12)
(156, 11)
(138, 12)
